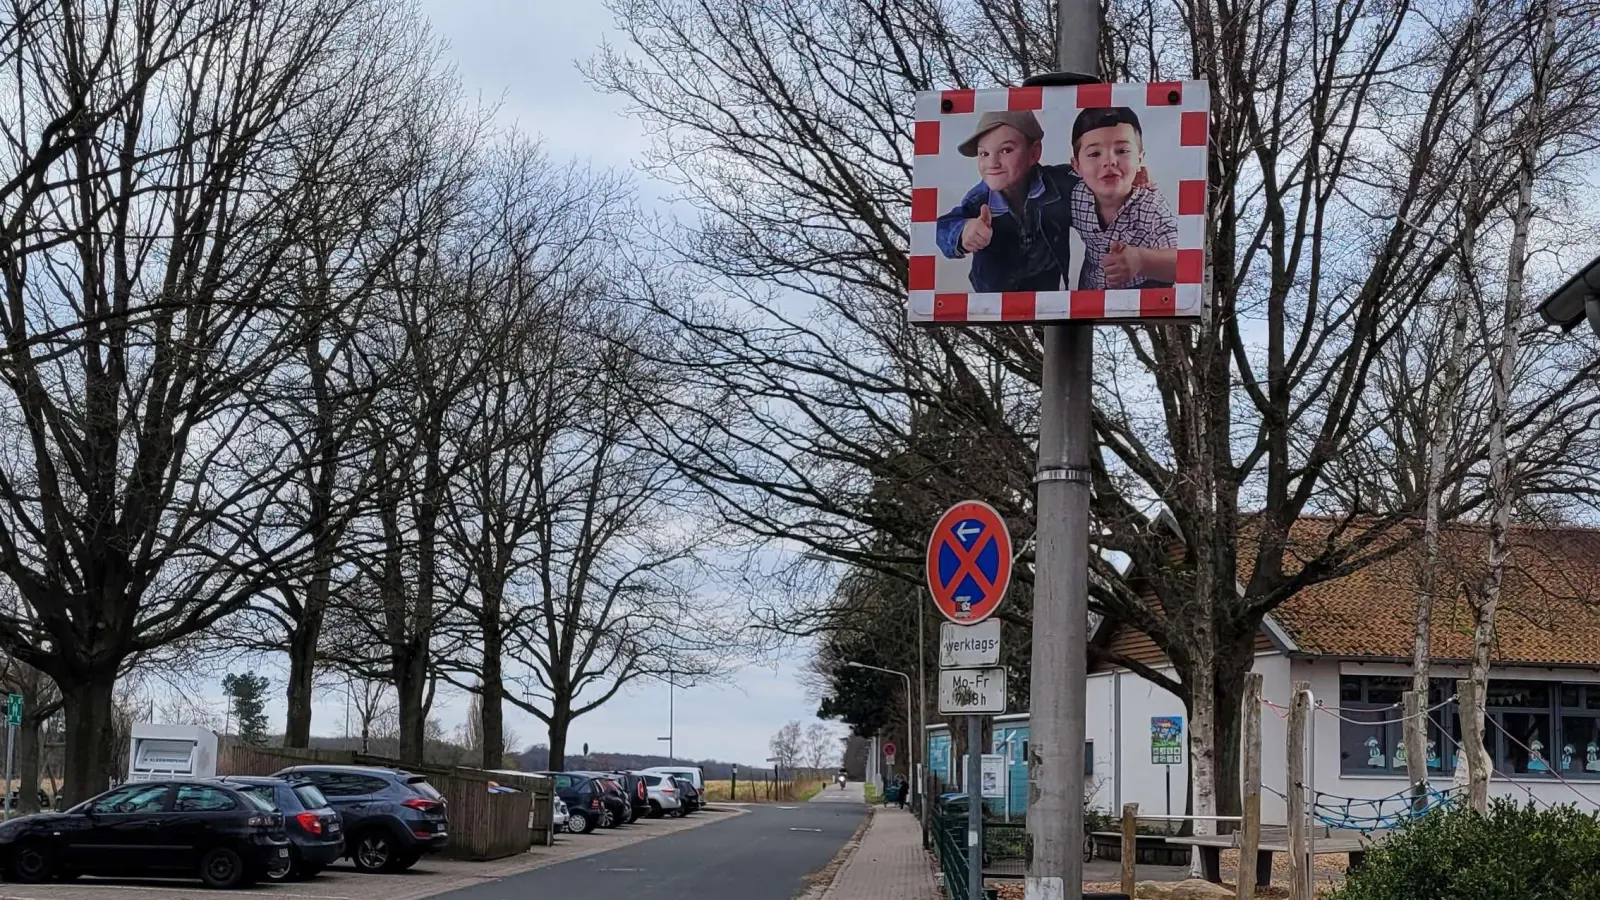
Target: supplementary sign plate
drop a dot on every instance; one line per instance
(964, 692)
(969, 646)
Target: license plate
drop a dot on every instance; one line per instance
(283, 851)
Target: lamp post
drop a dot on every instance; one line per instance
(911, 739)
(671, 720)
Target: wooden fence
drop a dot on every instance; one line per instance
(483, 825)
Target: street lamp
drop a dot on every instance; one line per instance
(1576, 300)
(911, 739)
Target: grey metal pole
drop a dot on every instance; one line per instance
(974, 809)
(1061, 579)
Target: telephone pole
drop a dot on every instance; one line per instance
(1061, 577)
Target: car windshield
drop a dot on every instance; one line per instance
(310, 796)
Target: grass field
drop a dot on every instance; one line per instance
(759, 791)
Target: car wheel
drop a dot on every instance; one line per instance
(31, 863)
(578, 823)
(403, 862)
(222, 869)
(655, 810)
(374, 851)
(306, 873)
(607, 820)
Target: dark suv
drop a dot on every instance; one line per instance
(638, 793)
(391, 818)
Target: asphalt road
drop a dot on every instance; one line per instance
(763, 855)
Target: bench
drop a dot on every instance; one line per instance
(1275, 839)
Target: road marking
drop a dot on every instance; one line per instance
(622, 870)
(788, 807)
(817, 830)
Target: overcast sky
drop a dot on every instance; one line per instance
(521, 55)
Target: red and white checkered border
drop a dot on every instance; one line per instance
(1185, 300)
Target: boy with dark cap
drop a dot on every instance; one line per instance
(1016, 222)
(1129, 234)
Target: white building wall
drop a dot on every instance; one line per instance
(1324, 678)
(1137, 780)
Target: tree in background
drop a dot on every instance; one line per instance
(822, 748)
(247, 705)
(787, 745)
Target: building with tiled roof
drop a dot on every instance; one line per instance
(1351, 639)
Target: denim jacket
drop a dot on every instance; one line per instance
(1028, 252)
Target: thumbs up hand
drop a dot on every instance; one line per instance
(976, 234)
(1121, 264)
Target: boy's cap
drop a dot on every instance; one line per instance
(1020, 119)
(1104, 117)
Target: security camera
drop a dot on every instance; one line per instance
(1576, 300)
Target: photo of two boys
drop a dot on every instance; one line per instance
(1016, 223)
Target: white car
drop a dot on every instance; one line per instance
(559, 820)
(664, 799)
(691, 774)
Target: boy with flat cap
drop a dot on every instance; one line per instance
(1016, 222)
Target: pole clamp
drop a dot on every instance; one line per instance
(1076, 474)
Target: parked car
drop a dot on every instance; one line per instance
(618, 810)
(584, 799)
(694, 774)
(637, 791)
(391, 817)
(316, 833)
(558, 816)
(216, 832)
(663, 794)
(691, 796)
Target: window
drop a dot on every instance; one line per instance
(310, 797)
(139, 798)
(1534, 728)
(199, 798)
(265, 793)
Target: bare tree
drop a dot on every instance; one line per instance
(141, 259)
(1333, 217)
(788, 748)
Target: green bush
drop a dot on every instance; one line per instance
(1513, 853)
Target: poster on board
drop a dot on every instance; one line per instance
(1037, 204)
(1166, 740)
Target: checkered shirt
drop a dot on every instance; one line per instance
(1144, 221)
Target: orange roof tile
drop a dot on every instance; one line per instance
(1549, 609)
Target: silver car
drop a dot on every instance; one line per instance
(664, 799)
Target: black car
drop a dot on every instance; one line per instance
(688, 794)
(224, 836)
(612, 810)
(316, 834)
(584, 798)
(391, 818)
(638, 793)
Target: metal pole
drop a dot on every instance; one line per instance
(911, 753)
(1061, 579)
(672, 719)
(974, 809)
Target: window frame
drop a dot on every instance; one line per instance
(1444, 728)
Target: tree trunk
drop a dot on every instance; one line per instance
(560, 722)
(492, 688)
(1232, 670)
(411, 687)
(302, 670)
(90, 751)
(28, 746)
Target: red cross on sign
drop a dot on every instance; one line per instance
(969, 562)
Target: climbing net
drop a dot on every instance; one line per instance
(1374, 814)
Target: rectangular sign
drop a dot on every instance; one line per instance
(972, 691)
(994, 776)
(1039, 204)
(1166, 740)
(13, 709)
(969, 646)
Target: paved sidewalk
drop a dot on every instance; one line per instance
(889, 864)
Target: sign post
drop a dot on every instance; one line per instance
(969, 567)
(13, 719)
(888, 753)
(1166, 747)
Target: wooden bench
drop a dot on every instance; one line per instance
(1275, 839)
